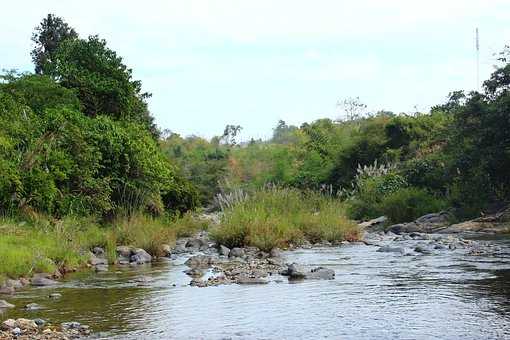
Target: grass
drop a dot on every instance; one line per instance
(41, 245)
(278, 217)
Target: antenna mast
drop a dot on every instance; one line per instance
(477, 60)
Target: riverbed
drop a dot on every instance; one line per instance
(375, 295)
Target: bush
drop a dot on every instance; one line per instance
(370, 192)
(407, 204)
(279, 217)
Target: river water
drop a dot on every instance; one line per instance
(448, 295)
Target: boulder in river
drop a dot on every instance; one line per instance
(389, 249)
(140, 256)
(41, 280)
(296, 272)
(428, 223)
(321, 273)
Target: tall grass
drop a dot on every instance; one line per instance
(276, 217)
(39, 244)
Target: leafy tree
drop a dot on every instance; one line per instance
(102, 82)
(47, 37)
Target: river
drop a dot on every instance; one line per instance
(375, 295)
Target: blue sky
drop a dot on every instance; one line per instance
(212, 63)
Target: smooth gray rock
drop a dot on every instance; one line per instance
(422, 249)
(321, 273)
(41, 281)
(294, 271)
(124, 251)
(32, 306)
(389, 249)
(140, 256)
(224, 251)
(275, 252)
(236, 252)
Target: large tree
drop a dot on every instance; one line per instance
(102, 82)
(47, 37)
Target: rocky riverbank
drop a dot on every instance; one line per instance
(37, 329)
(211, 264)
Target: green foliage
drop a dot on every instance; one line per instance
(58, 161)
(280, 217)
(101, 81)
(407, 204)
(47, 37)
(201, 162)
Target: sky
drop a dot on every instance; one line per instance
(252, 63)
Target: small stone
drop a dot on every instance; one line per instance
(224, 251)
(39, 322)
(388, 249)
(194, 272)
(236, 252)
(16, 331)
(71, 325)
(101, 268)
(41, 281)
(275, 252)
(422, 250)
(244, 280)
(55, 296)
(7, 290)
(5, 304)
(32, 306)
(98, 251)
(26, 324)
(8, 324)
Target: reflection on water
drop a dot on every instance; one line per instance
(375, 295)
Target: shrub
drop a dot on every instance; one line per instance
(407, 204)
(278, 217)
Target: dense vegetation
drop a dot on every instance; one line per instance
(83, 164)
(457, 156)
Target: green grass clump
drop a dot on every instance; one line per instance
(43, 245)
(278, 217)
